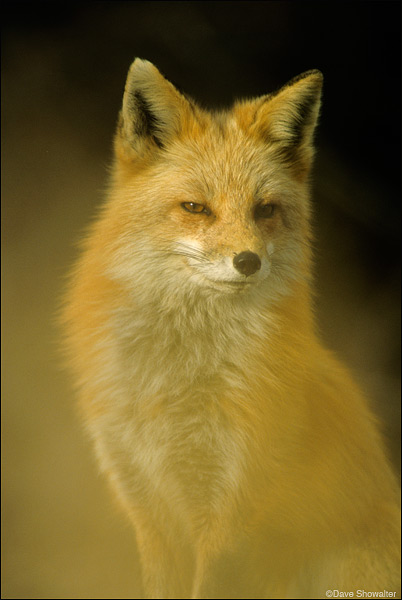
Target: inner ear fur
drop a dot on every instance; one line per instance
(289, 116)
(152, 114)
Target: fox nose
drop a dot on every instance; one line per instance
(247, 262)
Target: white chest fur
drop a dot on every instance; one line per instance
(166, 424)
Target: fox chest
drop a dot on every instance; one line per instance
(175, 423)
(184, 452)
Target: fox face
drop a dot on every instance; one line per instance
(219, 200)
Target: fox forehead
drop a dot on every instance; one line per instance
(226, 162)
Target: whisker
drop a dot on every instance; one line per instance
(190, 248)
(189, 252)
(194, 256)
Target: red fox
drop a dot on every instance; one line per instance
(243, 452)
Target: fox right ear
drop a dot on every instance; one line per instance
(286, 119)
(152, 111)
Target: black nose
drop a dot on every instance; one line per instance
(247, 262)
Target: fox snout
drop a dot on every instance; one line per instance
(247, 263)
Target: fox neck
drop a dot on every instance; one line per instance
(196, 339)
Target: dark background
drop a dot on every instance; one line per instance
(63, 71)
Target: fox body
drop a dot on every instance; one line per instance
(243, 452)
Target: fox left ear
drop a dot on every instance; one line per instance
(288, 117)
(152, 113)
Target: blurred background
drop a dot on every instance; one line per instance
(63, 73)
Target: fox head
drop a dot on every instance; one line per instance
(213, 201)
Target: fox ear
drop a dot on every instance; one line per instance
(152, 111)
(287, 118)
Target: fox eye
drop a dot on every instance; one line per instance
(265, 211)
(193, 207)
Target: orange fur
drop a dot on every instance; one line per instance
(245, 455)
